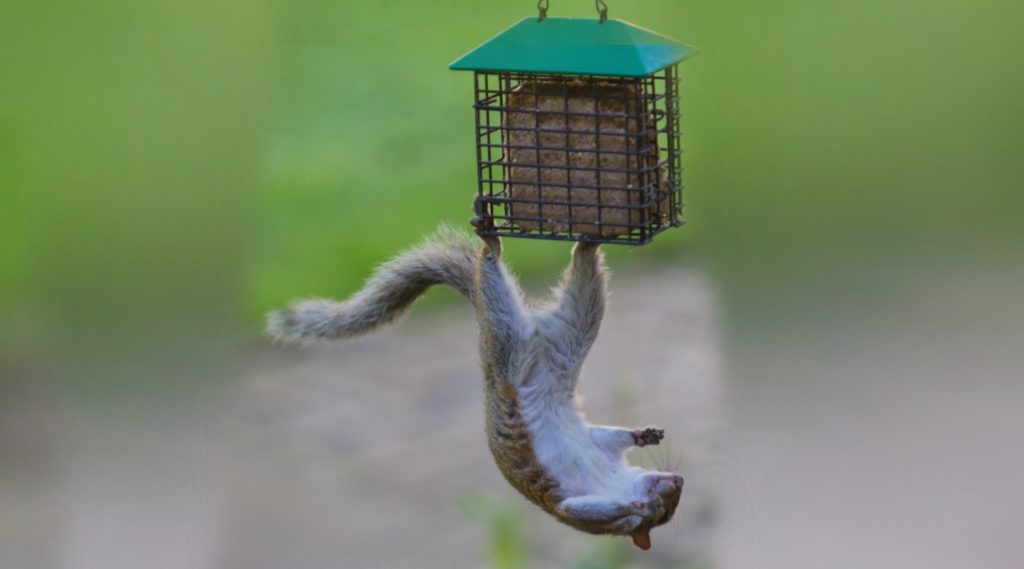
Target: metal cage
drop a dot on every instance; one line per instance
(579, 157)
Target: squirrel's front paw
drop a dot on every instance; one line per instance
(483, 220)
(648, 436)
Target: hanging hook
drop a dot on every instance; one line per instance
(602, 9)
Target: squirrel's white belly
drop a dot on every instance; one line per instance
(561, 441)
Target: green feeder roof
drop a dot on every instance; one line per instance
(577, 47)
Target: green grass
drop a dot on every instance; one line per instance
(371, 146)
(814, 132)
(292, 146)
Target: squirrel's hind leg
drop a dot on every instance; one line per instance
(504, 320)
(572, 324)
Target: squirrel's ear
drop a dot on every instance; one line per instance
(642, 540)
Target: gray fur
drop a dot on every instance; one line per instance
(448, 257)
(531, 359)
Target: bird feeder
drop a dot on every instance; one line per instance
(577, 130)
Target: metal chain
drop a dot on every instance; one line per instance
(602, 9)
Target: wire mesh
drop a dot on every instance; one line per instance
(580, 158)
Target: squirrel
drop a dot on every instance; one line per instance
(531, 361)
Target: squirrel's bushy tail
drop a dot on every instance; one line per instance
(448, 257)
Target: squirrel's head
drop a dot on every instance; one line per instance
(659, 493)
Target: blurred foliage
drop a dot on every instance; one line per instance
(507, 545)
(606, 553)
(279, 149)
(129, 145)
(815, 134)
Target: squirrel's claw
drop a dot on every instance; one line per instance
(648, 436)
(482, 221)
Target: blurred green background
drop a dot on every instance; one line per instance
(251, 152)
(169, 171)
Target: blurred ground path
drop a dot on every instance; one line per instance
(876, 428)
(359, 455)
(879, 430)
(880, 424)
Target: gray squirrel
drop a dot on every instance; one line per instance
(531, 360)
